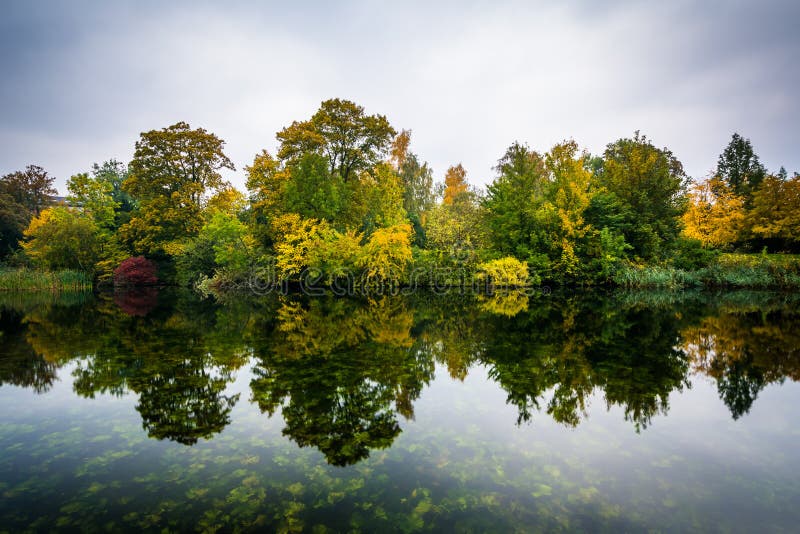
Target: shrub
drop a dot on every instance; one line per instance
(335, 255)
(136, 271)
(387, 255)
(689, 254)
(606, 255)
(505, 272)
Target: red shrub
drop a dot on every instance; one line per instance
(138, 271)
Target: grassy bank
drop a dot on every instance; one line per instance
(735, 271)
(773, 271)
(30, 280)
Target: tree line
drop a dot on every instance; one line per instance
(345, 196)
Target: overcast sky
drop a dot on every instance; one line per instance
(80, 80)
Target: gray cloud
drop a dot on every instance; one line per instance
(80, 80)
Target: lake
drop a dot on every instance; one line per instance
(596, 411)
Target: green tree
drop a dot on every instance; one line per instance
(170, 175)
(340, 131)
(329, 168)
(739, 167)
(418, 181)
(95, 197)
(334, 255)
(234, 248)
(416, 177)
(535, 208)
(511, 200)
(375, 200)
(114, 173)
(648, 187)
(312, 191)
(456, 227)
(417, 184)
(456, 238)
(14, 217)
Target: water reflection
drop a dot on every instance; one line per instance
(745, 347)
(344, 374)
(20, 364)
(341, 372)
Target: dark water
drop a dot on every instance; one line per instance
(624, 411)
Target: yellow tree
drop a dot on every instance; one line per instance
(399, 150)
(298, 237)
(227, 200)
(61, 238)
(455, 182)
(776, 209)
(716, 214)
(569, 199)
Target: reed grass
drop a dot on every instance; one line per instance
(655, 276)
(751, 271)
(31, 280)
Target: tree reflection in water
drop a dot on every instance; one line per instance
(746, 346)
(345, 373)
(341, 371)
(20, 364)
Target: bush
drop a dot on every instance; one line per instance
(689, 254)
(195, 262)
(505, 272)
(386, 256)
(607, 253)
(136, 271)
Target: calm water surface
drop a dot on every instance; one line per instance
(621, 411)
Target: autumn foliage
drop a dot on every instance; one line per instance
(344, 199)
(505, 272)
(136, 271)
